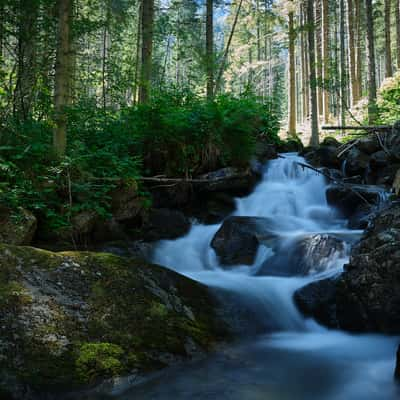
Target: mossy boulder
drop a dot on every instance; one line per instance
(17, 227)
(74, 319)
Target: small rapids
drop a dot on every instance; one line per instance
(291, 357)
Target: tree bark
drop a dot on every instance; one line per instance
(147, 50)
(372, 112)
(318, 23)
(359, 60)
(292, 77)
(343, 70)
(210, 48)
(388, 40)
(313, 76)
(352, 51)
(397, 17)
(62, 75)
(325, 65)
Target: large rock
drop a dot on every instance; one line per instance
(305, 255)
(126, 203)
(323, 156)
(368, 292)
(238, 239)
(317, 300)
(234, 180)
(349, 197)
(163, 224)
(18, 227)
(74, 319)
(356, 162)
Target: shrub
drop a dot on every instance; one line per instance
(389, 100)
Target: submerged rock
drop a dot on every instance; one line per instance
(306, 255)
(72, 319)
(17, 228)
(238, 239)
(368, 292)
(317, 300)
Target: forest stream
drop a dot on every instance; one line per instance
(294, 358)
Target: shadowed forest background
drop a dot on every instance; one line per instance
(96, 94)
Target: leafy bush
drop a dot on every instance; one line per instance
(389, 100)
(176, 134)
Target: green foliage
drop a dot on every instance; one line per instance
(182, 134)
(98, 360)
(177, 134)
(389, 100)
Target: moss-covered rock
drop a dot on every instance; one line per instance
(71, 319)
(17, 227)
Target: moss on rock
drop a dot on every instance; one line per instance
(75, 318)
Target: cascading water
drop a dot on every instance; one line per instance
(294, 358)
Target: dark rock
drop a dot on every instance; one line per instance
(265, 151)
(126, 203)
(356, 162)
(368, 292)
(291, 146)
(238, 239)
(330, 141)
(378, 160)
(171, 196)
(17, 227)
(163, 224)
(362, 216)
(130, 249)
(318, 300)
(303, 256)
(397, 370)
(72, 319)
(324, 156)
(369, 144)
(348, 198)
(233, 180)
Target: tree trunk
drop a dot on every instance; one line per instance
(388, 40)
(306, 69)
(325, 65)
(318, 23)
(352, 51)
(137, 58)
(210, 49)
(359, 63)
(147, 50)
(292, 77)
(26, 52)
(62, 75)
(313, 76)
(372, 112)
(397, 17)
(343, 70)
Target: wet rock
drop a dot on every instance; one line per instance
(368, 292)
(234, 180)
(362, 216)
(291, 146)
(265, 151)
(238, 239)
(17, 227)
(126, 203)
(356, 162)
(348, 198)
(167, 196)
(323, 156)
(318, 300)
(72, 319)
(305, 255)
(397, 370)
(369, 144)
(378, 160)
(330, 141)
(131, 249)
(163, 224)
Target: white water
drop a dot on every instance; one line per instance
(296, 358)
